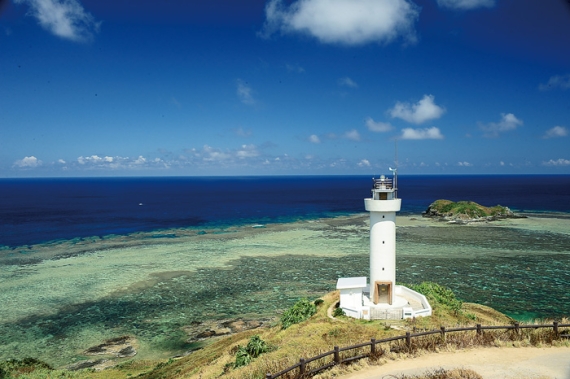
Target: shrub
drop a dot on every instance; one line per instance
(440, 295)
(242, 357)
(338, 312)
(19, 366)
(254, 348)
(302, 310)
(319, 302)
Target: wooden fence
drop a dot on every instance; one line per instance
(357, 353)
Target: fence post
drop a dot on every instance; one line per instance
(408, 340)
(302, 367)
(373, 346)
(516, 327)
(555, 327)
(336, 355)
(479, 331)
(443, 333)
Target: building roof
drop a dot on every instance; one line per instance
(357, 282)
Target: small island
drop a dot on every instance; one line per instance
(463, 212)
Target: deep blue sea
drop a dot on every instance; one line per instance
(39, 210)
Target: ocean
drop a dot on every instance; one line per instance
(40, 210)
(85, 260)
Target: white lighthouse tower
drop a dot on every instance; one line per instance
(381, 298)
(383, 206)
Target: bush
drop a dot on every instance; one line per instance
(254, 348)
(302, 310)
(338, 312)
(439, 295)
(242, 357)
(319, 302)
(18, 366)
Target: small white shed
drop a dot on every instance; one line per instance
(351, 295)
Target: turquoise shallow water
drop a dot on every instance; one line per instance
(62, 297)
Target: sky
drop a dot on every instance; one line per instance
(280, 87)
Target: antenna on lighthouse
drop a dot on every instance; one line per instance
(395, 170)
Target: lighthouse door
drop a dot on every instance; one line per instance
(383, 293)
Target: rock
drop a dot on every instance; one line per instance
(85, 364)
(119, 347)
(126, 352)
(198, 331)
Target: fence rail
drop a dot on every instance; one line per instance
(337, 360)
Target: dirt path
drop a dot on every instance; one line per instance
(490, 363)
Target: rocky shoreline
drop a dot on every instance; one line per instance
(114, 350)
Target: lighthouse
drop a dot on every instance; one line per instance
(381, 298)
(383, 206)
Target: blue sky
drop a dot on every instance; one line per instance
(279, 87)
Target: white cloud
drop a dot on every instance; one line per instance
(347, 82)
(558, 162)
(508, 122)
(96, 162)
(465, 4)
(379, 127)
(140, 160)
(352, 135)
(313, 138)
(557, 131)
(247, 151)
(424, 110)
(364, 163)
(210, 154)
(28, 162)
(557, 81)
(464, 164)
(426, 133)
(61, 161)
(64, 18)
(348, 22)
(95, 159)
(339, 163)
(245, 93)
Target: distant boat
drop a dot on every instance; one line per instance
(140, 204)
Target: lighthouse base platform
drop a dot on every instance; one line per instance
(406, 303)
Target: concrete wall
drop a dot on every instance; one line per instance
(405, 291)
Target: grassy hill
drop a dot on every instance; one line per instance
(280, 347)
(284, 347)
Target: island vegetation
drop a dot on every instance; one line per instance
(306, 329)
(467, 211)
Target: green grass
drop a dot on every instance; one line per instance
(468, 208)
(276, 348)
